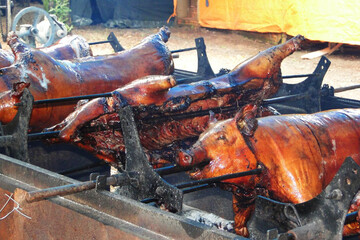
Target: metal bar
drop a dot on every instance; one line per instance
(183, 50)
(205, 183)
(184, 71)
(6, 140)
(197, 188)
(185, 191)
(100, 42)
(168, 170)
(175, 169)
(351, 217)
(39, 195)
(8, 15)
(59, 191)
(187, 79)
(299, 75)
(70, 99)
(343, 89)
(219, 179)
(293, 97)
(42, 135)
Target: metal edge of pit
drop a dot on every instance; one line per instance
(141, 220)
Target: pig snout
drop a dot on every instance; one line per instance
(191, 157)
(184, 158)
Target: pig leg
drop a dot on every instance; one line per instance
(242, 214)
(145, 91)
(82, 115)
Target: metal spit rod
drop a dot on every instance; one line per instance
(118, 179)
(343, 89)
(205, 183)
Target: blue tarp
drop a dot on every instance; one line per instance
(124, 13)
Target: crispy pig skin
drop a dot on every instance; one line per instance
(299, 154)
(6, 58)
(50, 78)
(69, 47)
(252, 81)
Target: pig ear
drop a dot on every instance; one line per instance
(246, 120)
(212, 118)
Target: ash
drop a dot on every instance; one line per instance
(209, 219)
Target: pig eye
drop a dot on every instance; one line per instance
(221, 137)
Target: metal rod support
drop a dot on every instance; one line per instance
(293, 97)
(197, 188)
(42, 135)
(183, 50)
(71, 99)
(299, 76)
(175, 169)
(185, 191)
(206, 183)
(343, 89)
(100, 42)
(218, 179)
(39, 195)
(351, 217)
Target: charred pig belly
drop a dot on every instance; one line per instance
(50, 78)
(252, 81)
(69, 47)
(299, 155)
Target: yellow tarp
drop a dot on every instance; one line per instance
(325, 20)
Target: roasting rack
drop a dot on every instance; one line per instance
(114, 42)
(140, 182)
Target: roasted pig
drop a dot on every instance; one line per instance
(69, 47)
(299, 155)
(48, 78)
(251, 81)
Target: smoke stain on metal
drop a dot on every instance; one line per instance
(15, 133)
(150, 184)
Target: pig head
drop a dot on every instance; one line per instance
(298, 155)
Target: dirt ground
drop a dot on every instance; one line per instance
(226, 49)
